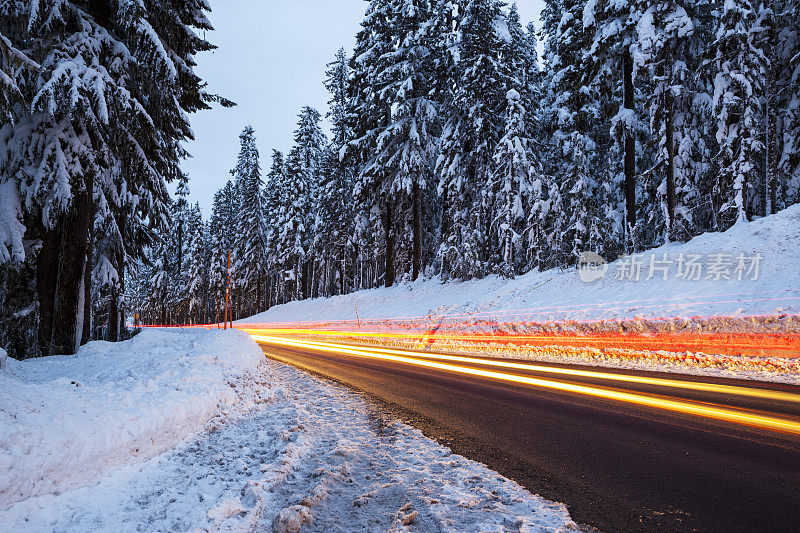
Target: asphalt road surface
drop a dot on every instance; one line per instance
(624, 450)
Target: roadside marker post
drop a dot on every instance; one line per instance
(228, 293)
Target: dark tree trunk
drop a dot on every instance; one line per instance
(259, 293)
(670, 140)
(305, 274)
(113, 315)
(46, 281)
(445, 226)
(416, 259)
(387, 231)
(769, 186)
(630, 144)
(87, 278)
(87, 290)
(62, 294)
(343, 270)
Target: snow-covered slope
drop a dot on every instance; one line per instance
(65, 420)
(306, 453)
(773, 243)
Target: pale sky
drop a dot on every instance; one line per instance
(271, 61)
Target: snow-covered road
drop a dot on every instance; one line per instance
(313, 455)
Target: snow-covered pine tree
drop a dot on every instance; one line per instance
(223, 239)
(274, 202)
(306, 158)
(569, 116)
(294, 233)
(672, 39)
(789, 149)
(739, 86)
(251, 221)
(405, 147)
(611, 67)
(520, 56)
(471, 132)
(94, 108)
(372, 114)
(778, 37)
(197, 266)
(512, 187)
(337, 81)
(336, 202)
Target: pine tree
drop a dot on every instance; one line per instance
(513, 187)
(671, 44)
(251, 223)
(274, 200)
(305, 166)
(471, 133)
(372, 114)
(738, 85)
(223, 238)
(293, 223)
(612, 67)
(404, 151)
(93, 108)
(197, 267)
(337, 81)
(570, 113)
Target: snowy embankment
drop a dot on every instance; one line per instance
(745, 281)
(307, 453)
(771, 287)
(65, 420)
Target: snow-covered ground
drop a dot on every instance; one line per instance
(765, 254)
(195, 430)
(66, 420)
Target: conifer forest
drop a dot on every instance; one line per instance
(463, 142)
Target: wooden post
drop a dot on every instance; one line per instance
(228, 291)
(230, 310)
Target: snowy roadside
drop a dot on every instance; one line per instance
(316, 455)
(67, 420)
(556, 295)
(765, 300)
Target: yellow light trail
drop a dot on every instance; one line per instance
(765, 394)
(737, 416)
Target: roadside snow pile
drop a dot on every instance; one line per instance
(317, 458)
(6, 363)
(65, 420)
(751, 269)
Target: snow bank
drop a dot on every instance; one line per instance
(6, 363)
(563, 295)
(65, 420)
(317, 457)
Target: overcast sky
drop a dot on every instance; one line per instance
(271, 61)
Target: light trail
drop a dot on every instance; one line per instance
(782, 344)
(765, 394)
(737, 416)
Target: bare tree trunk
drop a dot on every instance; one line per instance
(670, 140)
(416, 260)
(46, 282)
(343, 270)
(87, 281)
(61, 282)
(387, 230)
(630, 143)
(768, 197)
